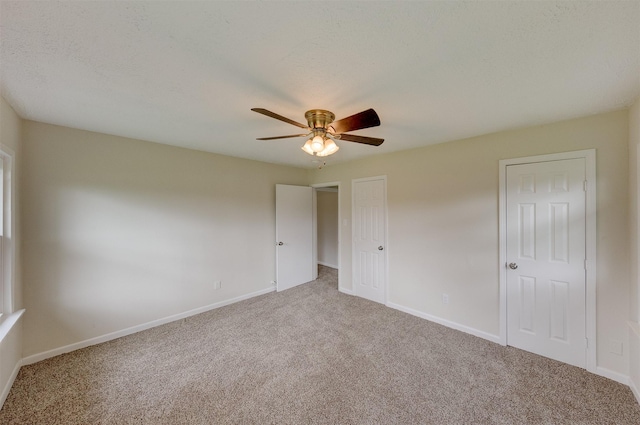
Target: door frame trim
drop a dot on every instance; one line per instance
(386, 234)
(589, 155)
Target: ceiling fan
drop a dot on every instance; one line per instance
(324, 131)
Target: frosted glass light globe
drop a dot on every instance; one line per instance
(317, 144)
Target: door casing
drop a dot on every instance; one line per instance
(590, 241)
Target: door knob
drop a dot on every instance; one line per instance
(280, 243)
(380, 248)
(513, 266)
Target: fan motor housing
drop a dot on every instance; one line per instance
(319, 118)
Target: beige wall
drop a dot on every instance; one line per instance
(443, 222)
(10, 323)
(121, 232)
(634, 224)
(327, 207)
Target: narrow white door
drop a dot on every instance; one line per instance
(294, 236)
(546, 284)
(369, 233)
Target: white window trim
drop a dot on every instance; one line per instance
(8, 250)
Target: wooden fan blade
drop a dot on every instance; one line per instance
(374, 141)
(282, 137)
(364, 119)
(278, 117)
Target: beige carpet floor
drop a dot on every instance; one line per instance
(310, 355)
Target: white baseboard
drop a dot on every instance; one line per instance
(634, 366)
(346, 291)
(615, 376)
(6, 327)
(635, 390)
(333, 266)
(447, 323)
(607, 373)
(138, 328)
(7, 387)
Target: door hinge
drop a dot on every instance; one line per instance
(586, 342)
(585, 186)
(585, 264)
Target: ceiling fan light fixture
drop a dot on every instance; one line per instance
(317, 143)
(325, 130)
(307, 148)
(330, 148)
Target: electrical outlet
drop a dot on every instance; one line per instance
(445, 298)
(615, 347)
(217, 284)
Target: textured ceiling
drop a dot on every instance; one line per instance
(188, 73)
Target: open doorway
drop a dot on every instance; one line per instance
(327, 226)
(327, 207)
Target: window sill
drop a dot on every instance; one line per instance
(7, 322)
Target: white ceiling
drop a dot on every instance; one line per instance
(188, 73)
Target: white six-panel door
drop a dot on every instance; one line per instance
(546, 284)
(369, 238)
(294, 236)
